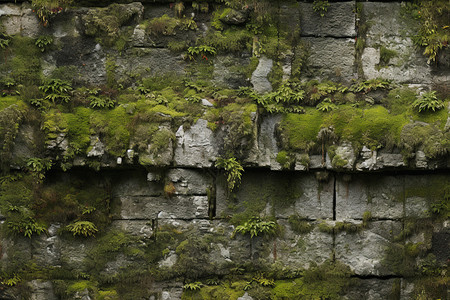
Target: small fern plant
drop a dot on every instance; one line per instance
(256, 227)
(428, 101)
(82, 228)
(233, 171)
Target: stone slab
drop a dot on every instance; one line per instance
(339, 20)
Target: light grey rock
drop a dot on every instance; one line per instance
(364, 252)
(246, 296)
(301, 250)
(421, 160)
(181, 207)
(195, 146)
(409, 66)
(74, 252)
(381, 195)
(169, 260)
(41, 290)
(390, 30)
(344, 152)
(189, 182)
(385, 160)
(206, 103)
(339, 20)
(61, 143)
(259, 77)
(265, 148)
(385, 19)
(20, 20)
(331, 59)
(97, 148)
(235, 17)
(138, 228)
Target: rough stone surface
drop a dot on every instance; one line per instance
(365, 251)
(339, 20)
(331, 59)
(390, 30)
(280, 194)
(381, 196)
(176, 207)
(21, 20)
(259, 77)
(235, 17)
(189, 182)
(41, 290)
(301, 250)
(195, 146)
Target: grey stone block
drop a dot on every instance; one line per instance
(331, 59)
(364, 252)
(339, 20)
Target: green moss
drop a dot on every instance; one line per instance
(327, 281)
(80, 286)
(78, 129)
(230, 40)
(226, 290)
(299, 131)
(8, 101)
(299, 225)
(105, 24)
(385, 56)
(285, 159)
(107, 248)
(25, 64)
(115, 125)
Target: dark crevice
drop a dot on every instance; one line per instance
(327, 36)
(378, 277)
(334, 198)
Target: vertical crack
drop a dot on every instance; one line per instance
(211, 192)
(334, 198)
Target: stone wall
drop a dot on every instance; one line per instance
(355, 219)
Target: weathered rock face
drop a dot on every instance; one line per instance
(126, 183)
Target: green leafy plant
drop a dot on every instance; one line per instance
(39, 166)
(43, 42)
(193, 286)
(321, 7)
(100, 102)
(26, 226)
(4, 43)
(326, 105)
(370, 85)
(433, 33)
(256, 227)
(57, 90)
(286, 99)
(45, 9)
(202, 51)
(12, 281)
(428, 101)
(82, 228)
(233, 171)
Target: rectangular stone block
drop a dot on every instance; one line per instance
(338, 21)
(330, 58)
(279, 194)
(178, 207)
(380, 195)
(365, 252)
